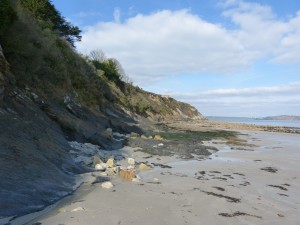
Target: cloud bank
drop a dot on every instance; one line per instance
(169, 43)
(252, 102)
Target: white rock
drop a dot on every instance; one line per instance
(136, 180)
(160, 145)
(131, 161)
(100, 166)
(78, 209)
(107, 185)
(130, 167)
(155, 179)
(110, 163)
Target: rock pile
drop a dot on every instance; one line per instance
(105, 165)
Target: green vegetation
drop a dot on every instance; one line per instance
(49, 18)
(200, 135)
(36, 43)
(7, 15)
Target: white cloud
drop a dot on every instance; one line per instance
(259, 100)
(260, 30)
(168, 43)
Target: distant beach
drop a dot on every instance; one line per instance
(255, 121)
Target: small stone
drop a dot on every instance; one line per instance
(155, 179)
(110, 163)
(133, 134)
(127, 174)
(144, 137)
(130, 167)
(110, 171)
(131, 161)
(100, 166)
(158, 138)
(160, 145)
(62, 210)
(144, 167)
(107, 185)
(78, 209)
(136, 180)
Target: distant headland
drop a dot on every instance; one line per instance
(281, 117)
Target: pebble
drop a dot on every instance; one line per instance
(100, 166)
(136, 180)
(78, 209)
(144, 167)
(107, 185)
(131, 161)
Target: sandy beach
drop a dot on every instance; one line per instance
(256, 185)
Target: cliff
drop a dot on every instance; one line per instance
(50, 95)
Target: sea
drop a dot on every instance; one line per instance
(246, 120)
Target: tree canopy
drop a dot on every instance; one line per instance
(7, 15)
(49, 17)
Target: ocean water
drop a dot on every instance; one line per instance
(285, 123)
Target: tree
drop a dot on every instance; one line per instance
(97, 55)
(49, 17)
(7, 15)
(112, 68)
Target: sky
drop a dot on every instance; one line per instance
(225, 57)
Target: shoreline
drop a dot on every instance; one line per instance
(169, 177)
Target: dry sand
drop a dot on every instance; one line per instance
(228, 188)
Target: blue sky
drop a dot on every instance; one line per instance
(225, 57)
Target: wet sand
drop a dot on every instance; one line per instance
(256, 185)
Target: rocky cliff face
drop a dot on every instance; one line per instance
(3, 71)
(138, 102)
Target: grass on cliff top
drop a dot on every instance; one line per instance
(200, 135)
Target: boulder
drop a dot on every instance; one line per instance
(131, 167)
(111, 171)
(143, 167)
(131, 161)
(110, 163)
(134, 135)
(107, 185)
(158, 137)
(100, 166)
(127, 174)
